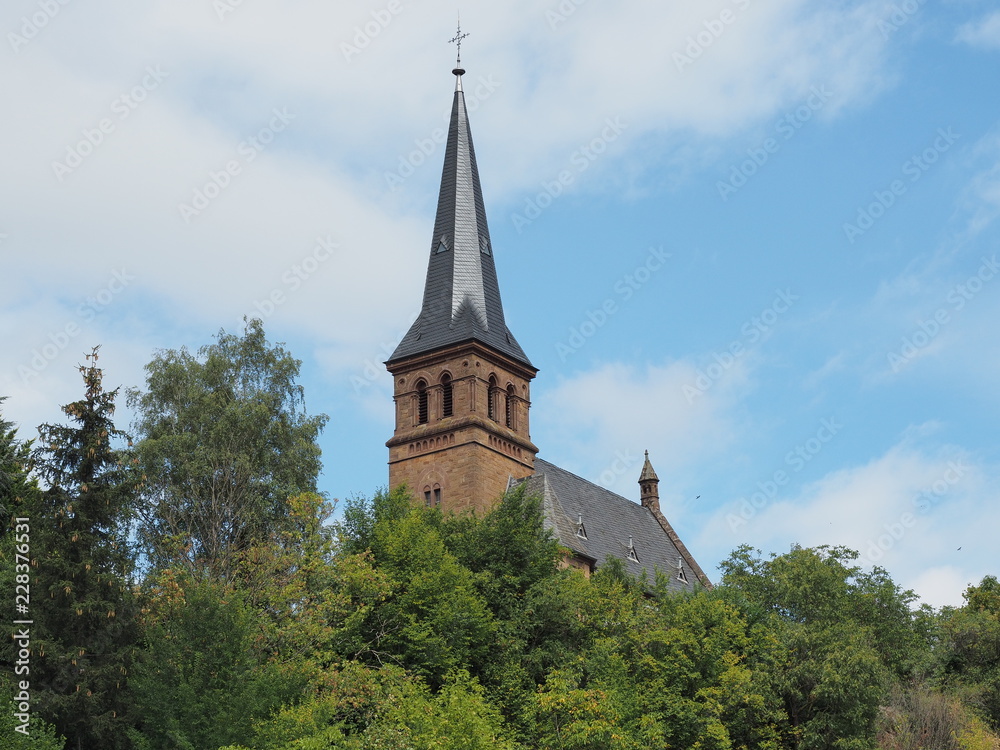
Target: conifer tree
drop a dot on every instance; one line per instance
(82, 606)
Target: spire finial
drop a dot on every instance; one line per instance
(457, 41)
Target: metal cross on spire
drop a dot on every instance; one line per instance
(457, 41)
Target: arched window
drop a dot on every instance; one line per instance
(491, 407)
(509, 401)
(447, 396)
(421, 402)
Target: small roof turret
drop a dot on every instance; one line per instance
(647, 471)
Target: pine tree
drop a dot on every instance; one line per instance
(85, 626)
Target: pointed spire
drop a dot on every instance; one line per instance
(461, 294)
(647, 471)
(649, 486)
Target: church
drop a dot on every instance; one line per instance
(461, 386)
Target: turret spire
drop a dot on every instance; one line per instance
(649, 486)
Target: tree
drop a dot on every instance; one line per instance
(432, 620)
(843, 632)
(19, 495)
(15, 467)
(84, 612)
(970, 649)
(360, 708)
(223, 441)
(509, 550)
(201, 679)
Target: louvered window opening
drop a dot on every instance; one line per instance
(422, 403)
(447, 397)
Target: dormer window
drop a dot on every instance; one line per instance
(681, 575)
(484, 245)
(581, 531)
(631, 551)
(441, 248)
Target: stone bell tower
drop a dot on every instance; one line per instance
(461, 382)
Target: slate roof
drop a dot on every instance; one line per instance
(609, 521)
(461, 294)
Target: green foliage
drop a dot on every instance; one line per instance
(201, 678)
(386, 709)
(844, 632)
(85, 629)
(19, 496)
(969, 654)
(433, 620)
(264, 626)
(671, 672)
(38, 735)
(985, 597)
(509, 550)
(224, 440)
(16, 483)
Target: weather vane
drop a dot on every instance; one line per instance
(457, 40)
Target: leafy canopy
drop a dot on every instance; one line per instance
(223, 441)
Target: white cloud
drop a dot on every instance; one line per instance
(982, 33)
(602, 420)
(909, 511)
(323, 174)
(942, 586)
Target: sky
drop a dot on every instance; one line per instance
(757, 238)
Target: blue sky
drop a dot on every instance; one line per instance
(758, 239)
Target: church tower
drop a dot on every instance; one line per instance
(461, 382)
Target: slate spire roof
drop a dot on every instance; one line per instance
(648, 473)
(461, 294)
